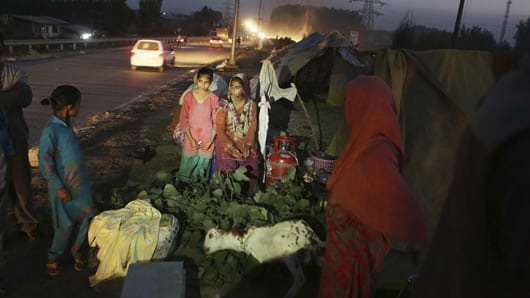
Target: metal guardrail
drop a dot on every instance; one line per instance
(30, 44)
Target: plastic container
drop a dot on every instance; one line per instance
(323, 162)
(33, 156)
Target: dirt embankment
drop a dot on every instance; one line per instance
(113, 149)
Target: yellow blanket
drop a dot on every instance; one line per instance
(124, 236)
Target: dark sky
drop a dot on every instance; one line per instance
(440, 14)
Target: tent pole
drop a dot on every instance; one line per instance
(313, 132)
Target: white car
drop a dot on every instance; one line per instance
(151, 53)
(216, 41)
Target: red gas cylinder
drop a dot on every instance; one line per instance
(280, 160)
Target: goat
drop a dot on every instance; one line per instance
(284, 241)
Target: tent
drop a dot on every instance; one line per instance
(436, 93)
(319, 64)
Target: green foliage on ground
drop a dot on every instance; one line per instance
(221, 202)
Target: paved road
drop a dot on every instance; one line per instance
(105, 80)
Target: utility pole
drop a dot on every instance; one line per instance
(457, 23)
(232, 61)
(260, 45)
(505, 21)
(368, 12)
(227, 15)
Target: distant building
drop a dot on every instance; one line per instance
(19, 26)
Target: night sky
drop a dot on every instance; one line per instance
(439, 14)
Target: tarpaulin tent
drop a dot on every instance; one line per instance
(327, 60)
(342, 62)
(436, 92)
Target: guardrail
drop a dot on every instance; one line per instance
(74, 44)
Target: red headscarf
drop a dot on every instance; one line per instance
(367, 180)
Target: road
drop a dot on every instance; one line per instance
(105, 80)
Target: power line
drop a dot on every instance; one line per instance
(228, 11)
(505, 20)
(368, 12)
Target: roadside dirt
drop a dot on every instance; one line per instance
(112, 149)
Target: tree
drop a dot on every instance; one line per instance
(149, 16)
(522, 36)
(431, 38)
(205, 20)
(289, 20)
(117, 17)
(403, 37)
(475, 38)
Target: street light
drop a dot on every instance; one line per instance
(260, 44)
(457, 23)
(232, 61)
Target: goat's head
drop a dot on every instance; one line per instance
(213, 240)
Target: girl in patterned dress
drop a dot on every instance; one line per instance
(236, 124)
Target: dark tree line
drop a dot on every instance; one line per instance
(110, 16)
(114, 17)
(301, 20)
(411, 36)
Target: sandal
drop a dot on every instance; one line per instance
(80, 264)
(52, 268)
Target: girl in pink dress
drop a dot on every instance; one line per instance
(197, 120)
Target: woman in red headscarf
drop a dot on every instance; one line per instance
(369, 202)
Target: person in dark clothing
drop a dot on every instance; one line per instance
(6, 150)
(481, 246)
(2, 43)
(16, 94)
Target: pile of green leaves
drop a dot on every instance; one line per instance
(220, 202)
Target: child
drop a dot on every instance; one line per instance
(236, 124)
(197, 120)
(61, 162)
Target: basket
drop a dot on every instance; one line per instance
(324, 162)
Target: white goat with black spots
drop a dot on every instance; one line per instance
(285, 241)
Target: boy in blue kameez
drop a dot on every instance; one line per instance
(62, 163)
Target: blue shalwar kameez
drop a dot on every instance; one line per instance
(62, 163)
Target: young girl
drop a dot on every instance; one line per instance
(197, 120)
(61, 162)
(236, 124)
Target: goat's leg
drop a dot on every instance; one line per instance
(295, 267)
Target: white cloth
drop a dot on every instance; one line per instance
(269, 84)
(10, 75)
(263, 121)
(124, 236)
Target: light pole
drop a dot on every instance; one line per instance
(457, 23)
(260, 45)
(232, 61)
